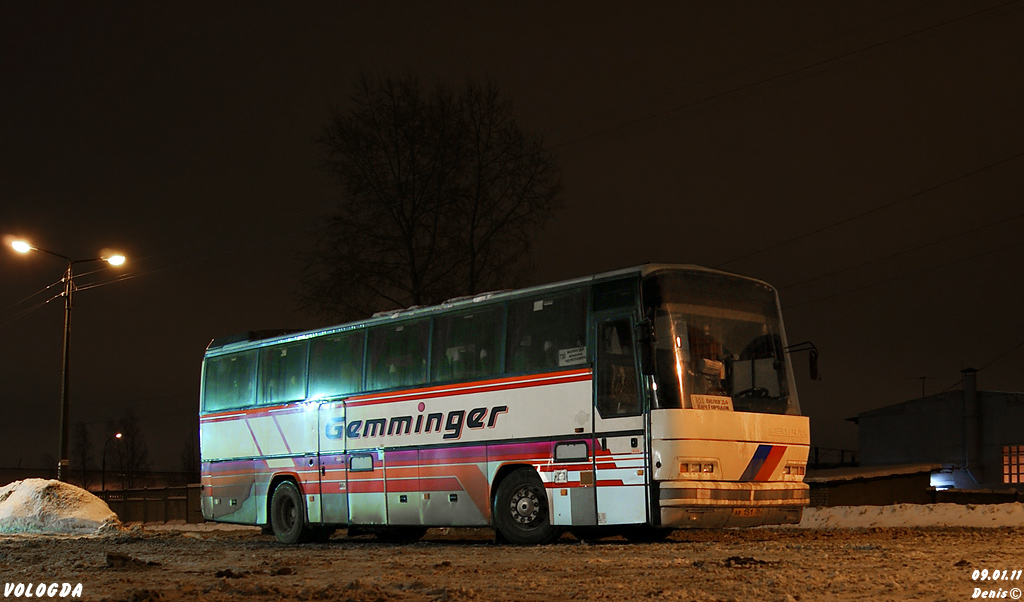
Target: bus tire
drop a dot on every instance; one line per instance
(521, 510)
(288, 514)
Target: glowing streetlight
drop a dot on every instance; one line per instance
(22, 246)
(103, 462)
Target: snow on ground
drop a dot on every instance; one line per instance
(914, 515)
(206, 527)
(838, 517)
(48, 506)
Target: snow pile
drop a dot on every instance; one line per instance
(914, 515)
(46, 506)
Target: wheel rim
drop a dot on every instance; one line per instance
(525, 507)
(287, 514)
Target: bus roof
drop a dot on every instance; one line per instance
(262, 337)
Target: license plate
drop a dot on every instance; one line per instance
(748, 512)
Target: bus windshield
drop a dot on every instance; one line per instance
(718, 344)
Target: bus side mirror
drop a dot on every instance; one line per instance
(645, 340)
(812, 356)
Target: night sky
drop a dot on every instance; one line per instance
(865, 158)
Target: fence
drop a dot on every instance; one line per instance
(159, 504)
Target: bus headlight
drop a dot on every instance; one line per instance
(695, 467)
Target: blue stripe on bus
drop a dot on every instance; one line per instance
(756, 462)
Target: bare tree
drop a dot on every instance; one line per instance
(131, 451)
(81, 452)
(442, 190)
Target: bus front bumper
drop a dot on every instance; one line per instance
(708, 504)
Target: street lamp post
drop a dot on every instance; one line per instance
(103, 462)
(22, 246)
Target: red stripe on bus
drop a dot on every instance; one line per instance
(278, 410)
(770, 463)
(504, 384)
(375, 486)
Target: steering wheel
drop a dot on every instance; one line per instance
(759, 392)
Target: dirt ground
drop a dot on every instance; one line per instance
(462, 564)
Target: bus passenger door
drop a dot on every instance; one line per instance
(333, 464)
(620, 470)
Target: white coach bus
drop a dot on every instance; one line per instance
(632, 402)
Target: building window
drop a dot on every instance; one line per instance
(1013, 463)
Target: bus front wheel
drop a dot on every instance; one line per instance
(521, 510)
(287, 514)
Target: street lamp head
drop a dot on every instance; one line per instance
(110, 257)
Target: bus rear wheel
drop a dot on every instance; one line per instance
(288, 514)
(521, 510)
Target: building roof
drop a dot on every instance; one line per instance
(849, 473)
(920, 404)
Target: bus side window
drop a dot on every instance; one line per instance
(466, 345)
(283, 373)
(336, 364)
(548, 333)
(398, 355)
(229, 381)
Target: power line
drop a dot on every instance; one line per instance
(1002, 355)
(990, 362)
(29, 310)
(795, 51)
(806, 68)
(871, 211)
(904, 252)
(905, 276)
(39, 292)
